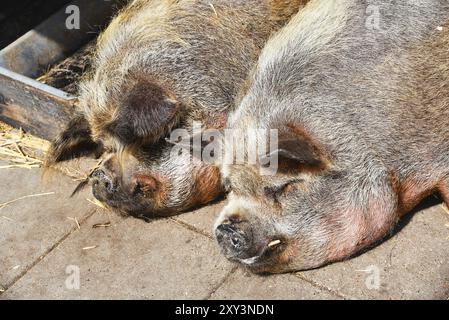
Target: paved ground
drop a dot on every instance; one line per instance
(52, 246)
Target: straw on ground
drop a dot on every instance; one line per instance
(97, 203)
(5, 204)
(20, 150)
(102, 225)
(76, 221)
(90, 248)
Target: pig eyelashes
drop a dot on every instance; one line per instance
(275, 192)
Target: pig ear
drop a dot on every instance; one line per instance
(298, 151)
(147, 113)
(74, 142)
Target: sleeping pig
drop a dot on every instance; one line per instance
(159, 66)
(358, 93)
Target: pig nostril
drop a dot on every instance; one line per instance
(236, 242)
(226, 231)
(102, 181)
(108, 186)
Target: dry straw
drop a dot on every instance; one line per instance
(5, 204)
(20, 150)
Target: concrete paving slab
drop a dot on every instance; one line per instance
(130, 259)
(42, 250)
(413, 264)
(202, 219)
(247, 286)
(32, 226)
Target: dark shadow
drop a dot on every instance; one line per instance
(58, 32)
(19, 16)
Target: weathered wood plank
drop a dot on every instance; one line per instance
(24, 102)
(37, 108)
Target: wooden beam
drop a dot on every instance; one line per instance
(37, 108)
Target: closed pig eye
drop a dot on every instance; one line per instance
(273, 193)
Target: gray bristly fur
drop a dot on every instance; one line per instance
(160, 65)
(374, 101)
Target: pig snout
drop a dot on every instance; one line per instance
(103, 186)
(230, 239)
(235, 240)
